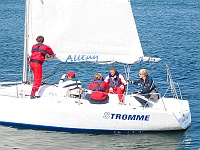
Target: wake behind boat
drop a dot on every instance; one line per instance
(95, 31)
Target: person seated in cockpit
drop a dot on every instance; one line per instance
(73, 85)
(148, 87)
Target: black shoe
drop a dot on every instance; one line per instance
(33, 97)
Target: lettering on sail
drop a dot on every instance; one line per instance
(79, 58)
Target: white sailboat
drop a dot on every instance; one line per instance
(99, 31)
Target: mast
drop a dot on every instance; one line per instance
(25, 62)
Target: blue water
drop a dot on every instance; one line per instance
(168, 29)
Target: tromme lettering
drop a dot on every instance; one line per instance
(126, 117)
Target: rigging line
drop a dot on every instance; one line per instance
(56, 70)
(42, 1)
(29, 73)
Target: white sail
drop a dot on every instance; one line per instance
(100, 31)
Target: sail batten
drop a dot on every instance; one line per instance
(105, 28)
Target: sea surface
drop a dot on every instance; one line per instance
(169, 29)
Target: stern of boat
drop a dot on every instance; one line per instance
(180, 109)
(184, 118)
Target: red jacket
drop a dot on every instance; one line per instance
(39, 51)
(99, 90)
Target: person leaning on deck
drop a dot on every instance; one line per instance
(37, 58)
(73, 85)
(117, 83)
(99, 90)
(148, 87)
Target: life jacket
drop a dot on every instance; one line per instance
(114, 80)
(98, 91)
(39, 51)
(72, 84)
(99, 87)
(74, 87)
(39, 48)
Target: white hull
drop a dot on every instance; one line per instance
(56, 111)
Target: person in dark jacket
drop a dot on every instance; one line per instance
(39, 51)
(148, 87)
(99, 90)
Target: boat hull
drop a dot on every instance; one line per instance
(74, 114)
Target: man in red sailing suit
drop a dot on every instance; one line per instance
(117, 83)
(39, 51)
(99, 90)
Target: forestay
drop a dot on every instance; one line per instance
(101, 31)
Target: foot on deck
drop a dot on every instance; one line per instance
(122, 103)
(34, 97)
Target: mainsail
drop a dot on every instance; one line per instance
(101, 31)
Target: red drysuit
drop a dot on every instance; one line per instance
(36, 60)
(115, 82)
